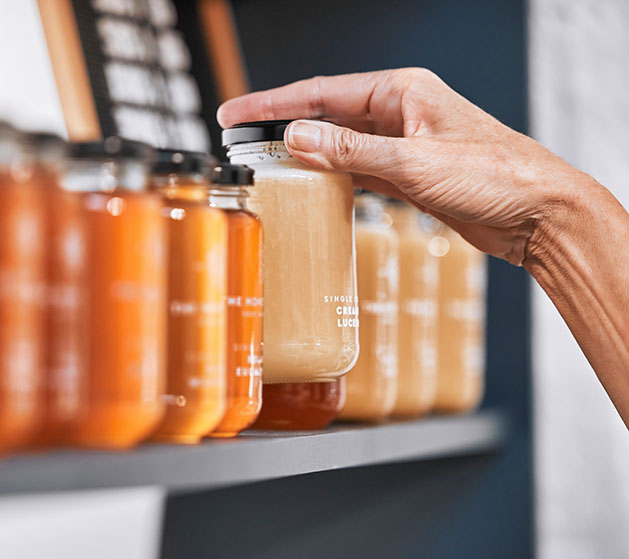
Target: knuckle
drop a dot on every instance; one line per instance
(346, 144)
(414, 75)
(425, 74)
(267, 107)
(316, 105)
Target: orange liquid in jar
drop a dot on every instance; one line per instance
(64, 355)
(21, 307)
(417, 315)
(460, 380)
(195, 386)
(244, 323)
(124, 318)
(301, 406)
(372, 383)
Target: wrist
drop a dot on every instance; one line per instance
(561, 232)
(578, 255)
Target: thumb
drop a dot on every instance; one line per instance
(327, 146)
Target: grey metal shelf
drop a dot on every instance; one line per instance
(254, 456)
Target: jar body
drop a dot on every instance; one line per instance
(311, 312)
(301, 406)
(195, 372)
(21, 307)
(417, 315)
(462, 310)
(372, 383)
(124, 318)
(65, 357)
(244, 322)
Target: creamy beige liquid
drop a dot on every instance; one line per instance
(417, 334)
(461, 356)
(372, 384)
(311, 312)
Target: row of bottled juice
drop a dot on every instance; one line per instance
(132, 289)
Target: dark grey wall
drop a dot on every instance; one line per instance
(478, 47)
(475, 507)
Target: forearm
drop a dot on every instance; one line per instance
(580, 257)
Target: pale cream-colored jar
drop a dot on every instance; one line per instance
(311, 304)
(417, 340)
(372, 384)
(461, 322)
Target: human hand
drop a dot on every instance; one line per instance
(405, 133)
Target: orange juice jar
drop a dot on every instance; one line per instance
(64, 356)
(197, 252)
(461, 318)
(301, 406)
(244, 298)
(123, 301)
(372, 383)
(21, 287)
(417, 312)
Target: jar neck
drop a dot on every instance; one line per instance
(229, 197)
(51, 157)
(369, 209)
(407, 217)
(188, 187)
(105, 176)
(178, 180)
(404, 217)
(432, 226)
(258, 152)
(9, 152)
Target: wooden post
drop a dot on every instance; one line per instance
(223, 47)
(68, 63)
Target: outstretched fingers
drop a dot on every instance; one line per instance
(346, 96)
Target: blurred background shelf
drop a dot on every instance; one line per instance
(255, 456)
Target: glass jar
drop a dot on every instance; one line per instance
(229, 192)
(311, 308)
(417, 312)
(197, 252)
(372, 383)
(21, 287)
(301, 406)
(124, 292)
(461, 319)
(64, 361)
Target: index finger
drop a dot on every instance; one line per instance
(346, 96)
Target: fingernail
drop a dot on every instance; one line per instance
(219, 115)
(304, 135)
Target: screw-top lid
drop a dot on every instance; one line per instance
(179, 162)
(7, 129)
(10, 143)
(228, 174)
(44, 139)
(368, 206)
(260, 131)
(46, 145)
(396, 202)
(112, 147)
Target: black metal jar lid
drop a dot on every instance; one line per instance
(228, 174)
(180, 162)
(112, 147)
(260, 131)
